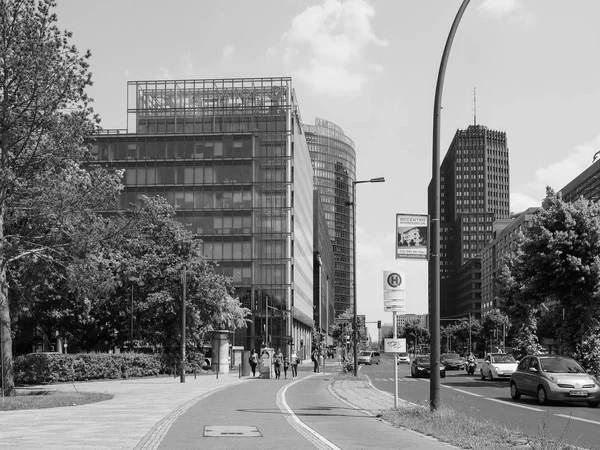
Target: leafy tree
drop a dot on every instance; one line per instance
(47, 199)
(493, 325)
(558, 259)
(415, 330)
(341, 330)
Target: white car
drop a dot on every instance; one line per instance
(497, 365)
(403, 358)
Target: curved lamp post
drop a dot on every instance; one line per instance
(434, 385)
(355, 320)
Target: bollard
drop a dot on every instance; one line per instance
(174, 371)
(239, 371)
(194, 372)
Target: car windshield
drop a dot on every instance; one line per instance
(365, 353)
(560, 365)
(402, 354)
(423, 359)
(450, 356)
(506, 359)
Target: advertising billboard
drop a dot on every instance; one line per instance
(412, 236)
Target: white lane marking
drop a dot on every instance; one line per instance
(515, 404)
(578, 418)
(467, 392)
(301, 427)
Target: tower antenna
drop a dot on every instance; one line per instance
(474, 106)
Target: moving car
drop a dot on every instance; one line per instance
(497, 365)
(421, 366)
(403, 358)
(452, 361)
(554, 378)
(368, 357)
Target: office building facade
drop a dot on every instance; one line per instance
(586, 185)
(334, 164)
(474, 192)
(231, 156)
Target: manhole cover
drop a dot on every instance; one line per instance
(230, 431)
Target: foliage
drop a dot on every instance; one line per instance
(341, 330)
(47, 199)
(415, 330)
(37, 368)
(42, 399)
(557, 261)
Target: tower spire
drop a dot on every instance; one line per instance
(474, 107)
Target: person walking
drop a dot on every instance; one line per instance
(253, 361)
(286, 365)
(278, 362)
(294, 362)
(315, 359)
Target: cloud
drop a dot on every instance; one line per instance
(511, 9)
(556, 175)
(228, 51)
(326, 46)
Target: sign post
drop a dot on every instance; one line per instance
(393, 300)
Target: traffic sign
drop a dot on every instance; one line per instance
(393, 280)
(394, 345)
(342, 320)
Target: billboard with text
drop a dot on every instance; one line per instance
(412, 236)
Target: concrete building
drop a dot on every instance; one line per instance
(231, 155)
(334, 163)
(474, 192)
(324, 263)
(586, 185)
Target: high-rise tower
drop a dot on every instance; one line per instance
(334, 165)
(474, 192)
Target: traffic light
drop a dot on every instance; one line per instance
(379, 324)
(347, 339)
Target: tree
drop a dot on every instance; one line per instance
(493, 326)
(558, 261)
(46, 197)
(341, 330)
(415, 330)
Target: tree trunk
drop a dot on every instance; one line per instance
(8, 382)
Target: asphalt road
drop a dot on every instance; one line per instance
(577, 424)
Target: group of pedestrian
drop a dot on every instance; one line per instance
(279, 362)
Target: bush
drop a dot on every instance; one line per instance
(38, 368)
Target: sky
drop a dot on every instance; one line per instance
(370, 67)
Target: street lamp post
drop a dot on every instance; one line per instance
(355, 320)
(434, 385)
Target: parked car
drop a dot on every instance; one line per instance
(497, 365)
(452, 361)
(403, 358)
(368, 357)
(554, 378)
(421, 366)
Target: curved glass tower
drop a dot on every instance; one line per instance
(334, 165)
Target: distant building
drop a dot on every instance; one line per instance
(586, 185)
(334, 163)
(324, 263)
(474, 193)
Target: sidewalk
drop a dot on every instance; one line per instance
(143, 410)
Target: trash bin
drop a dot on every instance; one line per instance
(246, 363)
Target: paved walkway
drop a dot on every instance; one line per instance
(143, 411)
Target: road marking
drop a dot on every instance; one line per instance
(467, 392)
(578, 418)
(515, 404)
(311, 435)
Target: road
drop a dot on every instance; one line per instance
(577, 424)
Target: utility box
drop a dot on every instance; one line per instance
(265, 362)
(236, 356)
(246, 363)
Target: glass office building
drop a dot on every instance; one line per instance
(334, 164)
(231, 155)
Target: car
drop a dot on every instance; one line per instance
(553, 378)
(452, 361)
(368, 357)
(403, 358)
(421, 366)
(497, 365)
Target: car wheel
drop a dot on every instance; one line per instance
(482, 375)
(492, 376)
(514, 392)
(593, 404)
(412, 373)
(443, 375)
(541, 396)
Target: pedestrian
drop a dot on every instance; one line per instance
(286, 365)
(253, 361)
(295, 361)
(315, 359)
(278, 362)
